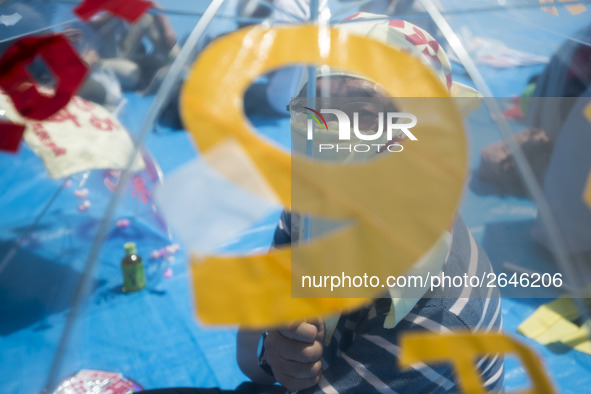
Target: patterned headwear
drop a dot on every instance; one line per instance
(402, 35)
(407, 37)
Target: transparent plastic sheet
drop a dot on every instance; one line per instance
(207, 270)
(56, 300)
(509, 231)
(168, 84)
(458, 15)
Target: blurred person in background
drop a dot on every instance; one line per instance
(555, 145)
(136, 54)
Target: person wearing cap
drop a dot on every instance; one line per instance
(357, 352)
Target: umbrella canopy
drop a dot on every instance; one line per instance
(182, 114)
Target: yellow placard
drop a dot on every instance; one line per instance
(390, 232)
(553, 323)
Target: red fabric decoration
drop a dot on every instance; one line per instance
(10, 136)
(130, 10)
(67, 68)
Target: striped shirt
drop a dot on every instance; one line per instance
(362, 356)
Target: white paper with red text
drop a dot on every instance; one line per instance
(80, 137)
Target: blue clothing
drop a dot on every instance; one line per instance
(362, 356)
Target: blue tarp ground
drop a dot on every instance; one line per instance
(152, 336)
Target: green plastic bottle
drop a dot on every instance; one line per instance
(132, 267)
